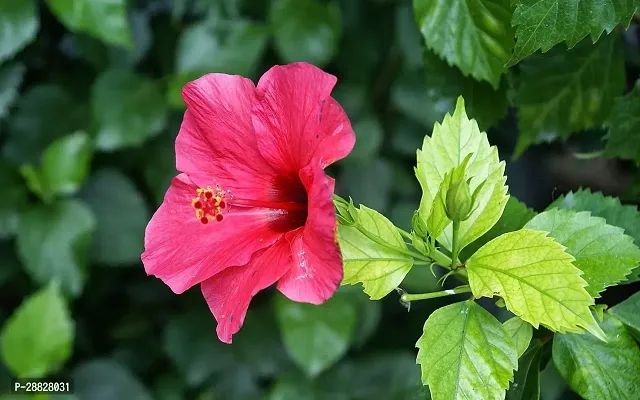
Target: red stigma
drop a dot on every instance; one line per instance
(208, 204)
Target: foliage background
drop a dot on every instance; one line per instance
(109, 72)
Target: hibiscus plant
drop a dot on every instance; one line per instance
(320, 199)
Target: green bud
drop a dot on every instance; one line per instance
(346, 213)
(458, 202)
(418, 225)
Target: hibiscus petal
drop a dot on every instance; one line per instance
(217, 140)
(228, 293)
(182, 251)
(296, 120)
(316, 272)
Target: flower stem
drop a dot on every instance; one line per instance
(454, 247)
(404, 233)
(406, 297)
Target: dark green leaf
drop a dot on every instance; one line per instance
(516, 214)
(19, 24)
(10, 79)
(122, 216)
(628, 312)
(482, 43)
(541, 24)
(445, 84)
(624, 127)
(257, 346)
(37, 339)
(316, 336)
(305, 30)
(603, 252)
(104, 379)
(609, 208)
(103, 19)
(127, 108)
(37, 122)
(526, 381)
(368, 314)
(368, 183)
(562, 92)
(190, 342)
(202, 50)
(65, 163)
(386, 375)
(13, 199)
(598, 370)
(53, 241)
(160, 168)
(369, 137)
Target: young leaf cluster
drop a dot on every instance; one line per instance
(546, 269)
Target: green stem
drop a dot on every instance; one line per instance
(454, 247)
(408, 252)
(424, 296)
(441, 258)
(404, 233)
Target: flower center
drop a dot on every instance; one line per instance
(209, 204)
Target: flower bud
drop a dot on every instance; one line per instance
(346, 213)
(418, 225)
(458, 203)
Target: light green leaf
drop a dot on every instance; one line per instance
(535, 277)
(38, 337)
(13, 199)
(447, 147)
(627, 312)
(305, 30)
(53, 242)
(526, 381)
(515, 215)
(603, 252)
(482, 43)
(562, 92)
(374, 253)
(19, 24)
(597, 370)
(122, 216)
(316, 336)
(607, 207)
(520, 333)
(65, 163)
(103, 19)
(541, 24)
(10, 78)
(465, 353)
(36, 122)
(624, 127)
(127, 108)
(105, 379)
(202, 50)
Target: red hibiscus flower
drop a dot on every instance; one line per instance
(252, 205)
